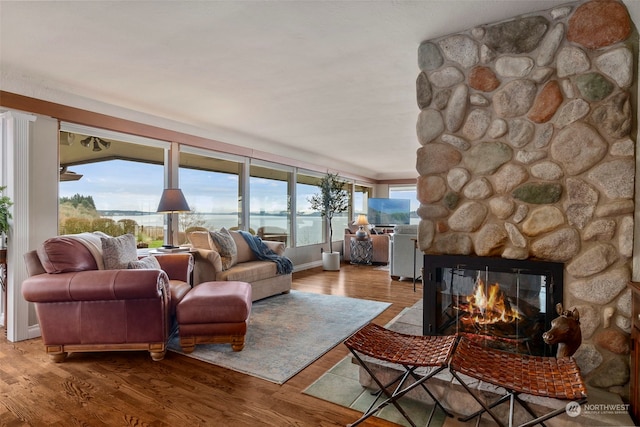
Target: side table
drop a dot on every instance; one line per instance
(361, 251)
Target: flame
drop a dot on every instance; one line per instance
(487, 307)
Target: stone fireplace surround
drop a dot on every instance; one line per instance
(527, 153)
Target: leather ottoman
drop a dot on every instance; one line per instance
(214, 313)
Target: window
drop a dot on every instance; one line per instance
(407, 192)
(310, 225)
(341, 220)
(112, 182)
(270, 210)
(111, 186)
(212, 188)
(361, 196)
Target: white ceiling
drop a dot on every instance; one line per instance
(327, 82)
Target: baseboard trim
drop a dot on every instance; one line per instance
(34, 331)
(307, 266)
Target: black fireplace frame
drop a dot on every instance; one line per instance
(432, 275)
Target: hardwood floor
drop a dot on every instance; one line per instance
(129, 389)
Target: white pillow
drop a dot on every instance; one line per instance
(147, 263)
(200, 240)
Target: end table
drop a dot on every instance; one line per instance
(361, 251)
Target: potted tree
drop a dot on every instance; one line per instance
(5, 215)
(331, 200)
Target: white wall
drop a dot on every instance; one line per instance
(43, 185)
(30, 172)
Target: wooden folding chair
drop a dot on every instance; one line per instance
(409, 351)
(552, 377)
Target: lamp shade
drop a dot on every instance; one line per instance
(362, 220)
(172, 200)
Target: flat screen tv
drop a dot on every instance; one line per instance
(388, 212)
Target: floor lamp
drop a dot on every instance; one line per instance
(172, 201)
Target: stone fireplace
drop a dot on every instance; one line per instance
(527, 154)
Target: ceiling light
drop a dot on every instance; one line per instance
(97, 142)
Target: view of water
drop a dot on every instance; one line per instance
(309, 228)
(217, 221)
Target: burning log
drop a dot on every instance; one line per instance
(488, 306)
(489, 312)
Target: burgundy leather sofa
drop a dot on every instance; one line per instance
(83, 308)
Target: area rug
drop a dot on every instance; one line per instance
(288, 332)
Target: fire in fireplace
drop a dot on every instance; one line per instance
(505, 303)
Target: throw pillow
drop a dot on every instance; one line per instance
(242, 248)
(118, 252)
(147, 263)
(226, 247)
(200, 239)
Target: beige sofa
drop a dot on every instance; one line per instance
(243, 266)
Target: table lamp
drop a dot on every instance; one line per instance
(172, 201)
(361, 234)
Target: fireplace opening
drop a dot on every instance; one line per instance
(507, 304)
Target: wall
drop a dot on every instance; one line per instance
(43, 189)
(527, 151)
(29, 144)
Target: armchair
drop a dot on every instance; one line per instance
(83, 308)
(272, 233)
(406, 260)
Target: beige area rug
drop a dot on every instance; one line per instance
(288, 332)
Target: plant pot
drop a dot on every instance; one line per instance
(3, 256)
(331, 261)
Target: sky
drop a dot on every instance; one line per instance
(126, 185)
(117, 184)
